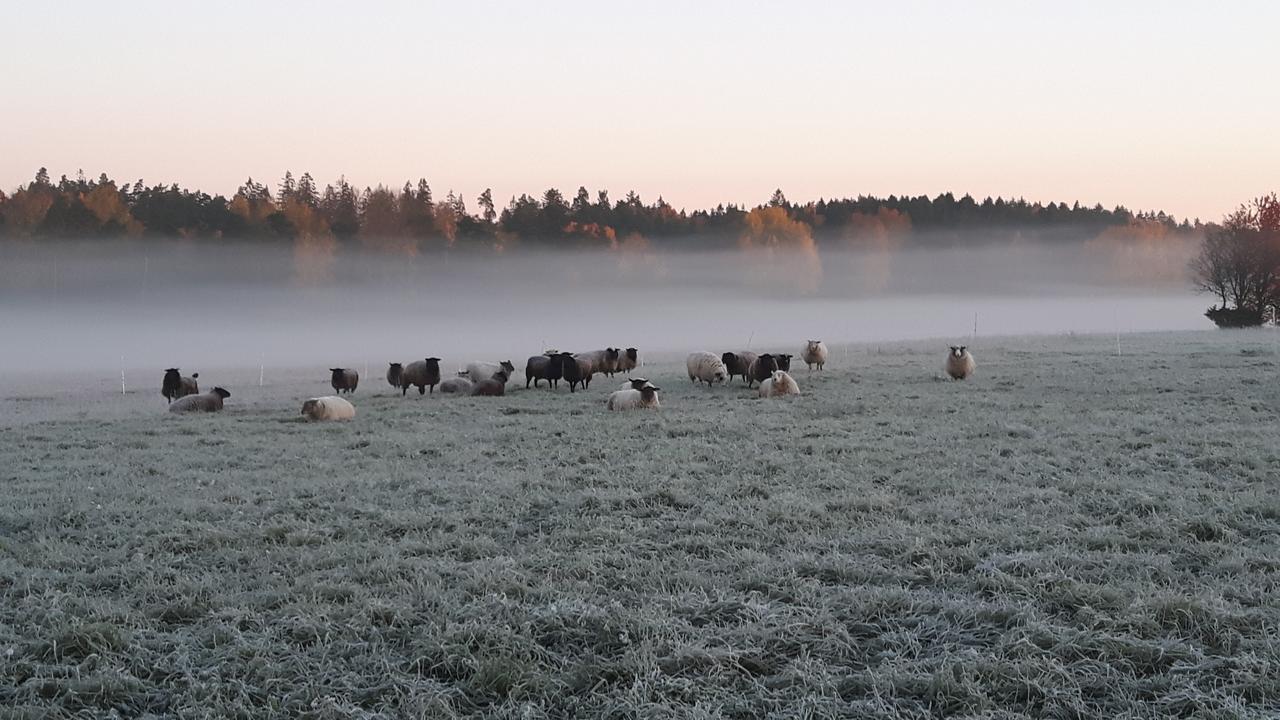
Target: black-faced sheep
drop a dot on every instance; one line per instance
(736, 363)
(204, 402)
(495, 386)
(393, 375)
(344, 380)
(543, 367)
(761, 368)
(706, 367)
(603, 361)
(574, 371)
(175, 385)
(960, 363)
(784, 361)
(329, 407)
(629, 360)
(814, 354)
(778, 384)
(644, 398)
(422, 374)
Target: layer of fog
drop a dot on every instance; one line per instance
(98, 306)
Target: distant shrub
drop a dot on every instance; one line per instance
(1235, 317)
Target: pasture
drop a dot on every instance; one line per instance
(1070, 534)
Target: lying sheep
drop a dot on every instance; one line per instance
(175, 385)
(706, 367)
(814, 353)
(478, 372)
(456, 386)
(778, 384)
(495, 386)
(761, 368)
(422, 374)
(784, 361)
(960, 364)
(543, 367)
(206, 402)
(644, 398)
(344, 380)
(737, 362)
(629, 360)
(329, 407)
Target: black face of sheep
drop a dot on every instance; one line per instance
(433, 374)
(222, 393)
(633, 354)
(638, 383)
(765, 365)
(172, 382)
(783, 360)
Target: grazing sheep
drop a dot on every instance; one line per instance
(706, 367)
(456, 386)
(478, 372)
(544, 367)
(393, 375)
(206, 402)
(761, 368)
(645, 398)
(629, 360)
(960, 364)
(784, 361)
(737, 362)
(778, 384)
(329, 407)
(423, 374)
(175, 385)
(344, 380)
(495, 386)
(814, 353)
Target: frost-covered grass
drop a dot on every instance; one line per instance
(1069, 534)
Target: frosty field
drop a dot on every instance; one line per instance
(1071, 534)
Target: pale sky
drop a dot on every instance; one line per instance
(1153, 105)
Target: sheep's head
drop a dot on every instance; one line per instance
(220, 392)
(957, 351)
(813, 345)
(728, 358)
(506, 365)
(777, 376)
(719, 375)
(632, 354)
(783, 360)
(612, 353)
(396, 366)
(638, 383)
(649, 390)
(309, 406)
(433, 363)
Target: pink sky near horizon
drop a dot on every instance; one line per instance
(1150, 105)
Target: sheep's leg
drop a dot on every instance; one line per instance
(422, 389)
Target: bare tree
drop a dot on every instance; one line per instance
(1239, 263)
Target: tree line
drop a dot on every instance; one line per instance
(413, 218)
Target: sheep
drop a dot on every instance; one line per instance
(629, 360)
(478, 372)
(761, 368)
(960, 364)
(706, 367)
(423, 374)
(393, 375)
(575, 371)
(737, 363)
(778, 384)
(175, 386)
(495, 386)
(456, 386)
(543, 367)
(206, 402)
(329, 407)
(344, 380)
(645, 398)
(784, 361)
(634, 383)
(814, 353)
(603, 361)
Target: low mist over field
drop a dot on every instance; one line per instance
(75, 305)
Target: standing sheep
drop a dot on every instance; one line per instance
(645, 398)
(575, 371)
(784, 361)
(175, 385)
(960, 364)
(423, 374)
(778, 384)
(329, 407)
(543, 367)
(706, 367)
(495, 386)
(814, 353)
(761, 368)
(736, 363)
(344, 380)
(629, 361)
(206, 402)
(393, 375)
(603, 361)
(456, 386)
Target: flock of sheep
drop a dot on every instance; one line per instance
(771, 371)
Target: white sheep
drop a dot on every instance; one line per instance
(706, 367)
(456, 386)
(814, 353)
(478, 372)
(960, 364)
(778, 384)
(631, 399)
(329, 407)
